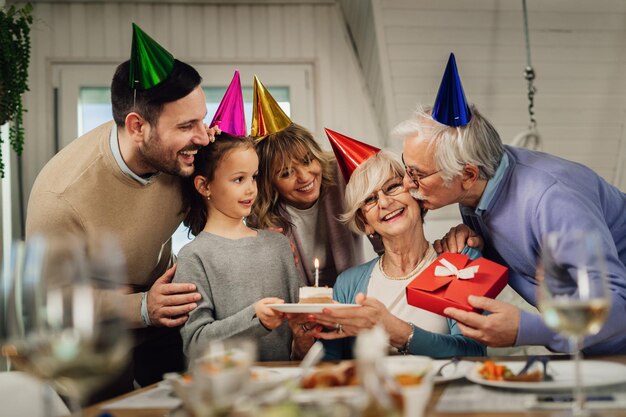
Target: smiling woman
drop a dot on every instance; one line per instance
(378, 203)
(301, 194)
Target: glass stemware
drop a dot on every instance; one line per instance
(65, 325)
(221, 373)
(574, 297)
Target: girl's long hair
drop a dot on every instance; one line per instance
(275, 152)
(205, 163)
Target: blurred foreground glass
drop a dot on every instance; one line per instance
(64, 319)
(221, 373)
(574, 297)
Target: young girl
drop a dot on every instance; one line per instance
(237, 270)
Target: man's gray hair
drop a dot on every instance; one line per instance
(476, 143)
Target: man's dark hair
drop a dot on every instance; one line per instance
(149, 103)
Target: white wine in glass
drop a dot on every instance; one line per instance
(574, 297)
(68, 328)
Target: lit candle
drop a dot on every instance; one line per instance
(317, 272)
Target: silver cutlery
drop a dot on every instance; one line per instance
(454, 361)
(533, 360)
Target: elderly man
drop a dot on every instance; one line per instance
(124, 178)
(511, 197)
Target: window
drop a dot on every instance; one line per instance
(94, 108)
(94, 104)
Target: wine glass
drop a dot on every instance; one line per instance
(221, 372)
(574, 297)
(65, 322)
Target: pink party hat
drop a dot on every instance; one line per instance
(229, 116)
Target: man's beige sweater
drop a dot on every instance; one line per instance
(82, 190)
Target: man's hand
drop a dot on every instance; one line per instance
(269, 317)
(169, 304)
(498, 329)
(457, 237)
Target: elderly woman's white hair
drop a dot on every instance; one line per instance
(476, 143)
(367, 178)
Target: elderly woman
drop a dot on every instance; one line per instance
(379, 204)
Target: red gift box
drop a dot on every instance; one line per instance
(435, 293)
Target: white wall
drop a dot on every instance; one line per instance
(359, 16)
(74, 32)
(578, 51)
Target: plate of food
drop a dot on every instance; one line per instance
(595, 373)
(340, 382)
(407, 371)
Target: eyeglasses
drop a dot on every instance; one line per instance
(416, 176)
(392, 187)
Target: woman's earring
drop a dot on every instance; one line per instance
(371, 235)
(208, 197)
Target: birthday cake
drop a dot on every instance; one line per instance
(316, 295)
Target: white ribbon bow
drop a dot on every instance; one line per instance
(448, 269)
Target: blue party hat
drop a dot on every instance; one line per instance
(451, 107)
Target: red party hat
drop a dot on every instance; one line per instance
(350, 153)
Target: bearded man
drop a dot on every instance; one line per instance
(123, 177)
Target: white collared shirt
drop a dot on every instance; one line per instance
(117, 154)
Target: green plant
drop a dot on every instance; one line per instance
(14, 59)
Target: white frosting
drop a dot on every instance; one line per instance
(315, 292)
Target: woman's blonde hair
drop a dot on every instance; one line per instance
(365, 180)
(276, 152)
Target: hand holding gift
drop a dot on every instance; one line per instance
(451, 279)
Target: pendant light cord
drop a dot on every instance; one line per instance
(529, 73)
(530, 138)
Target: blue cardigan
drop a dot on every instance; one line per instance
(355, 280)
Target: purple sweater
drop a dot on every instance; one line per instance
(540, 193)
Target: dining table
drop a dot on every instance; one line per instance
(431, 410)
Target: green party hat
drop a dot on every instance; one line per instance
(150, 63)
